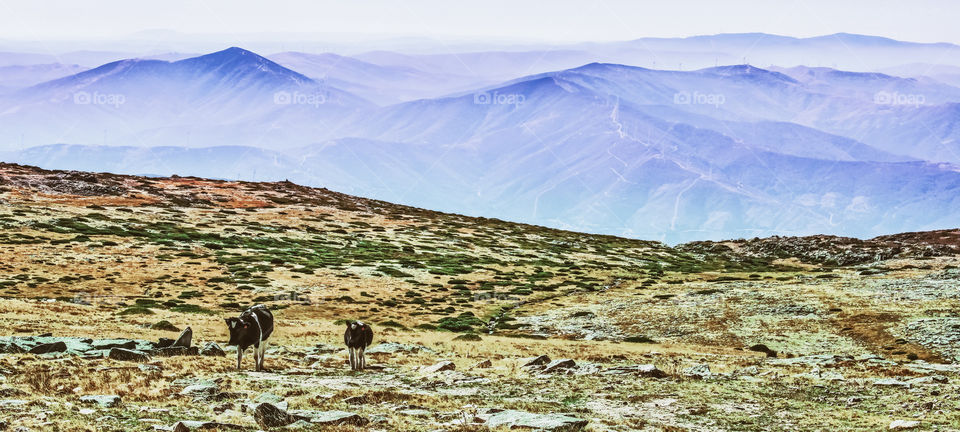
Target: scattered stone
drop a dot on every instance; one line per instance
(544, 422)
(185, 339)
(164, 343)
(536, 361)
(211, 349)
(747, 371)
(904, 424)
(106, 401)
(416, 412)
(440, 367)
(123, 354)
(558, 365)
(47, 348)
(7, 404)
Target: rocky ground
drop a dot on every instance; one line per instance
(113, 291)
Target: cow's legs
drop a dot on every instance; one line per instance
(239, 356)
(263, 350)
(363, 359)
(353, 358)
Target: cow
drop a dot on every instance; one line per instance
(358, 337)
(251, 328)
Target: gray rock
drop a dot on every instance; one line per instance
(536, 361)
(123, 354)
(47, 348)
(558, 365)
(185, 339)
(904, 424)
(269, 416)
(211, 349)
(440, 367)
(697, 371)
(163, 343)
(106, 401)
(543, 422)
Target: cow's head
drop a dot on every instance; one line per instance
(238, 328)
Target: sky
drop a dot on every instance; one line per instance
(498, 20)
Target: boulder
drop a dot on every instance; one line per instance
(123, 354)
(558, 365)
(269, 416)
(544, 422)
(47, 348)
(185, 339)
(904, 424)
(106, 401)
(211, 349)
(163, 343)
(700, 370)
(536, 361)
(440, 367)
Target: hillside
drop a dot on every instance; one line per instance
(643, 336)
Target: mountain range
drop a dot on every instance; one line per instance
(719, 152)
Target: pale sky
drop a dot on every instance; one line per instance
(520, 20)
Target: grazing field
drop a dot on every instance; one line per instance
(812, 333)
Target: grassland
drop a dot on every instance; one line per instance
(105, 256)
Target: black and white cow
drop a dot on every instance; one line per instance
(251, 328)
(358, 337)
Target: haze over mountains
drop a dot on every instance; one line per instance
(542, 136)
